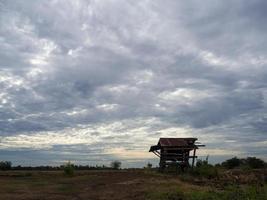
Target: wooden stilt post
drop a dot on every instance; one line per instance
(194, 154)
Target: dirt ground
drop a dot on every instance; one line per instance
(84, 185)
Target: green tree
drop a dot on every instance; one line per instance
(149, 165)
(255, 163)
(232, 163)
(115, 164)
(68, 169)
(5, 165)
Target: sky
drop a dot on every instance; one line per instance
(92, 81)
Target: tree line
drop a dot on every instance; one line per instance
(249, 163)
(7, 165)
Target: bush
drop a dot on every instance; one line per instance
(207, 171)
(232, 163)
(201, 163)
(5, 165)
(203, 168)
(68, 169)
(115, 164)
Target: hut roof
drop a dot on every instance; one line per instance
(176, 141)
(173, 142)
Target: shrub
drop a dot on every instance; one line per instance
(5, 165)
(115, 164)
(203, 168)
(207, 171)
(68, 169)
(201, 163)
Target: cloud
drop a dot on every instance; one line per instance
(130, 72)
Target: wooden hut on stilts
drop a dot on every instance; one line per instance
(176, 151)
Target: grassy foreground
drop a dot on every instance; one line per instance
(127, 184)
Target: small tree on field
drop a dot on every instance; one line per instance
(115, 164)
(68, 168)
(149, 165)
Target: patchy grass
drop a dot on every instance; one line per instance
(67, 188)
(166, 195)
(124, 184)
(233, 193)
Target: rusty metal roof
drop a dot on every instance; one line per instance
(176, 141)
(182, 143)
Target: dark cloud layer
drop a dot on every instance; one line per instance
(75, 74)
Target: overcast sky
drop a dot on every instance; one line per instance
(94, 81)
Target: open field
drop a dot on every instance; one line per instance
(122, 184)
